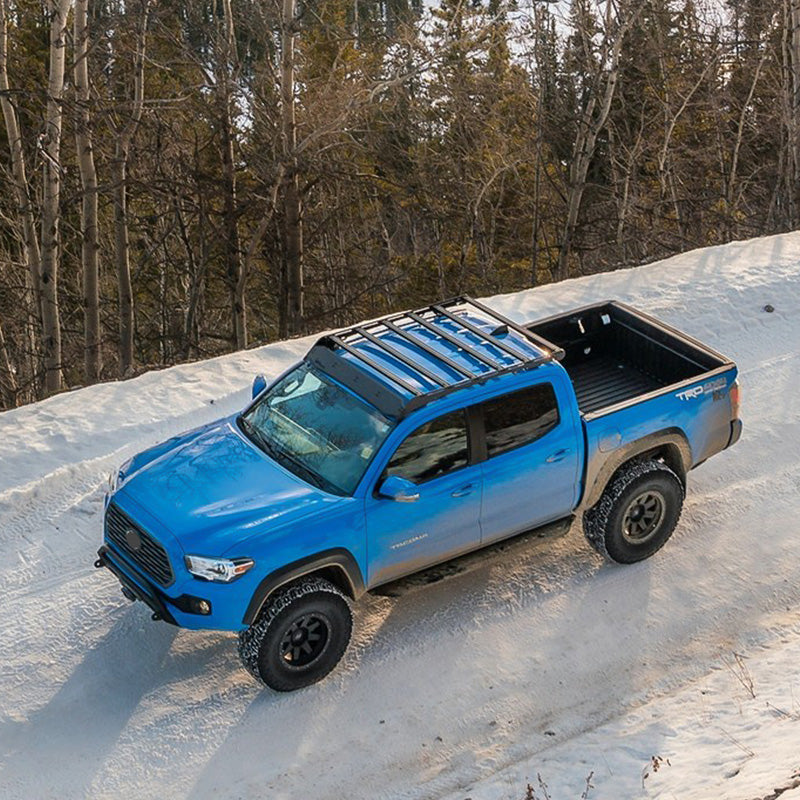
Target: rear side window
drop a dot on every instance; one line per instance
(434, 449)
(519, 418)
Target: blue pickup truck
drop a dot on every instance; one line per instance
(404, 442)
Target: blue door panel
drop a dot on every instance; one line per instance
(443, 522)
(531, 485)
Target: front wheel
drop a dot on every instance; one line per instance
(299, 637)
(637, 512)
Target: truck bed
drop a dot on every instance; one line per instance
(614, 354)
(605, 381)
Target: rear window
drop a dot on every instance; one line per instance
(519, 418)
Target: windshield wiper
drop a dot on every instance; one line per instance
(281, 456)
(255, 433)
(309, 474)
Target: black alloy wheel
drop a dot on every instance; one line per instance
(643, 516)
(305, 640)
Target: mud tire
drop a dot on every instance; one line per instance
(312, 608)
(641, 487)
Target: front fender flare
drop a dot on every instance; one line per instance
(337, 558)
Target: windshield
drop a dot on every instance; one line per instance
(316, 429)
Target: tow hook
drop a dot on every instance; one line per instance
(98, 563)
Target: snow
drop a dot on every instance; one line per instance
(539, 659)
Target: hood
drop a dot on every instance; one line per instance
(212, 489)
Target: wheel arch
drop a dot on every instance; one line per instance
(670, 446)
(336, 565)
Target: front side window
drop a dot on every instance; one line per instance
(519, 418)
(434, 449)
(316, 429)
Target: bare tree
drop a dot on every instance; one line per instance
(593, 116)
(227, 67)
(85, 155)
(123, 136)
(18, 169)
(790, 162)
(50, 144)
(8, 383)
(291, 310)
(733, 191)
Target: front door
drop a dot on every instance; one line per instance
(403, 537)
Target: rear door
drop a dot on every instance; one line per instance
(530, 475)
(403, 537)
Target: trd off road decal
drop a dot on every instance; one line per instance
(714, 387)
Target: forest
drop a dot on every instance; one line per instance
(186, 179)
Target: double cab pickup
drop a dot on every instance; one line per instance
(404, 442)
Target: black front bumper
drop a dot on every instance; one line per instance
(133, 591)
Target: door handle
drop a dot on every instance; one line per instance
(559, 455)
(463, 491)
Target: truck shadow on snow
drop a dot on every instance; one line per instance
(59, 748)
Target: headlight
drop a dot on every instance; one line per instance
(117, 476)
(221, 570)
(114, 480)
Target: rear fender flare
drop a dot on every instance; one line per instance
(339, 562)
(671, 444)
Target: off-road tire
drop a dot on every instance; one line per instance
(312, 607)
(636, 513)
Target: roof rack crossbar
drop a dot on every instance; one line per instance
(417, 341)
(401, 357)
(374, 364)
(461, 345)
(554, 350)
(417, 402)
(488, 337)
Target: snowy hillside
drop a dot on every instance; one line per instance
(539, 659)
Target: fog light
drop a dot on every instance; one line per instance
(204, 607)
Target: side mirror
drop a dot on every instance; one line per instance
(259, 384)
(399, 489)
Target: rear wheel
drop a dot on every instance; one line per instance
(636, 513)
(299, 637)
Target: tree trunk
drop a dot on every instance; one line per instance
(122, 259)
(792, 89)
(89, 246)
(233, 255)
(20, 178)
(51, 153)
(292, 213)
(119, 173)
(8, 383)
(226, 64)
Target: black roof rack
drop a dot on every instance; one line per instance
(385, 395)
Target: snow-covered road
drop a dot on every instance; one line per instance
(538, 658)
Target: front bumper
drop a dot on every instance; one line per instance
(145, 592)
(218, 608)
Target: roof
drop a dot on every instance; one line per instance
(405, 360)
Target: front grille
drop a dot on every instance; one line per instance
(150, 556)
